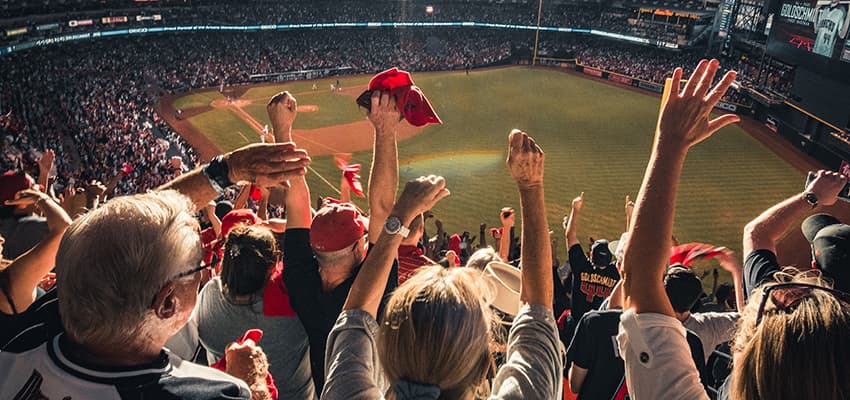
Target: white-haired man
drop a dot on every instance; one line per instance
(128, 277)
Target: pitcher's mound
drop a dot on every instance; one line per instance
(308, 108)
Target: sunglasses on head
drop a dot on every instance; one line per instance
(786, 296)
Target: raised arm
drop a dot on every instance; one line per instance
(282, 109)
(508, 217)
(571, 223)
(418, 196)
(763, 232)
(684, 122)
(732, 264)
(45, 164)
(525, 163)
(26, 271)
(383, 179)
(266, 165)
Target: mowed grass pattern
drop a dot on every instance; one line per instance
(597, 139)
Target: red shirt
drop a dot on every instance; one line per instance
(410, 258)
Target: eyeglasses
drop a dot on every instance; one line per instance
(786, 296)
(212, 264)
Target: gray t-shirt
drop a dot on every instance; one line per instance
(533, 367)
(284, 341)
(713, 328)
(21, 234)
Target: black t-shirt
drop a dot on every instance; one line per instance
(594, 348)
(759, 267)
(591, 285)
(318, 310)
(32, 327)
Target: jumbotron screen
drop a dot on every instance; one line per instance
(812, 33)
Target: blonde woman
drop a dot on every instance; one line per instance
(434, 338)
(794, 335)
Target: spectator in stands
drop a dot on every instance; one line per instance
(684, 289)
(594, 277)
(22, 227)
(828, 237)
(410, 256)
(792, 340)
(434, 339)
(323, 254)
(249, 294)
(20, 303)
(142, 254)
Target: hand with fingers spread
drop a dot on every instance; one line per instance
(525, 160)
(685, 115)
(384, 114)
(267, 165)
(28, 197)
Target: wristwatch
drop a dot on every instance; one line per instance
(394, 226)
(216, 172)
(811, 199)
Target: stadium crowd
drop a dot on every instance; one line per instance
(126, 297)
(94, 103)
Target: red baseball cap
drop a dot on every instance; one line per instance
(337, 226)
(236, 217)
(12, 182)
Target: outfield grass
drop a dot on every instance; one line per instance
(596, 137)
(334, 109)
(226, 128)
(193, 100)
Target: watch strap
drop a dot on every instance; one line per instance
(217, 173)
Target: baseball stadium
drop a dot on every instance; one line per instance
(107, 106)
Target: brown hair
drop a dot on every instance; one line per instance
(437, 331)
(250, 253)
(801, 353)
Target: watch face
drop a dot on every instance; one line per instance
(393, 225)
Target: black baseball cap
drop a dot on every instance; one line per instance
(830, 240)
(600, 253)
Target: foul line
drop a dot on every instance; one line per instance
(243, 136)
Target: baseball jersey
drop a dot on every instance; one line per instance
(47, 372)
(830, 23)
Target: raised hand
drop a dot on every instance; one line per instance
(45, 163)
(27, 197)
(421, 194)
(684, 119)
(578, 201)
(826, 186)
(383, 114)
(525, 160)
(267, 165)
(282, 109)
(508, 217)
